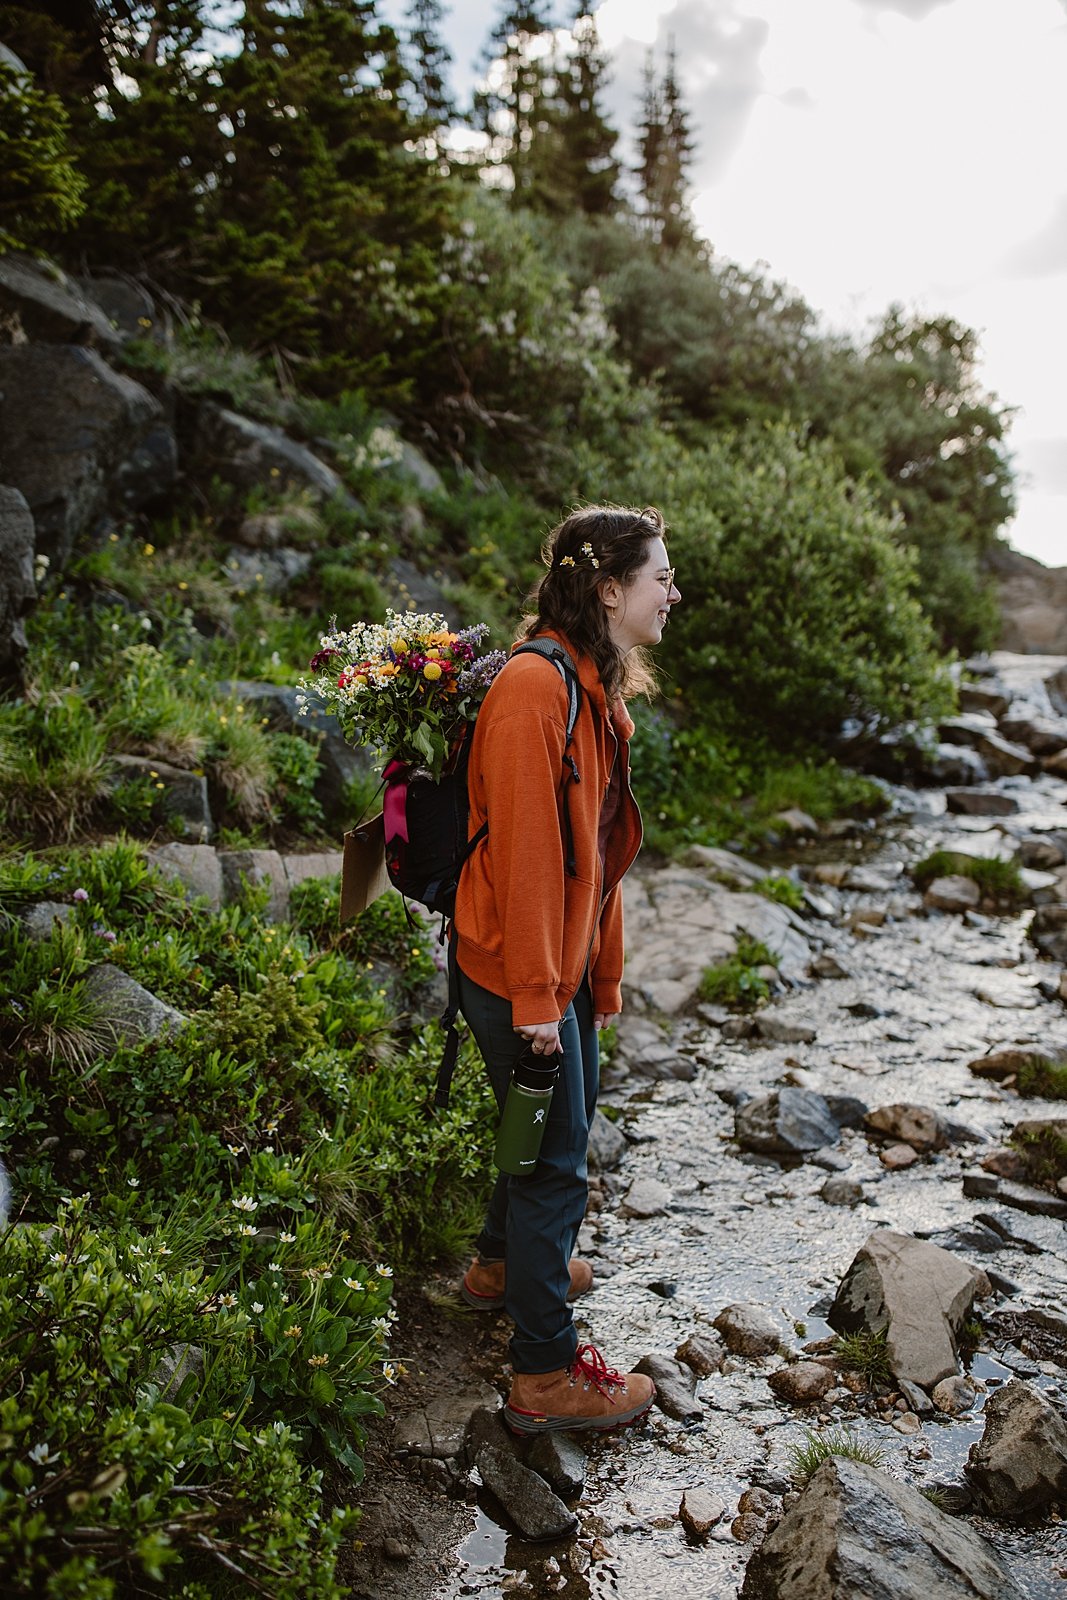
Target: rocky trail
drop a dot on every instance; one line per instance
(749, 1162)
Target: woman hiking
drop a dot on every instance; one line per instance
(539, 934)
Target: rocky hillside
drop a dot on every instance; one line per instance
(1033, 602)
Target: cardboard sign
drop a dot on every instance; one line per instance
(363, 874)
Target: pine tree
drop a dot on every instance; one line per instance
(517, 107)
(590, 171)
(429, 61)
(666, 148)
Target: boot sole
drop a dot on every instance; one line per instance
(527, 1422)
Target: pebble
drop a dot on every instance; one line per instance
(839, 1191)
(898, 1156)
(699, 1511)
(954, 1395)
(907, 1423)
(802, 1382)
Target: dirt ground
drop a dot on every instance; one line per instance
(416, 1513)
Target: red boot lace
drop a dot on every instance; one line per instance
(589, 1364)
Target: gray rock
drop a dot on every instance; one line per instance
(828, 966)
(955, 764)
(415, 465)
(181, 1362)
(699, 1511)
(854, 1531)
(1020, 1463)
(1056, 688)
(847, 1110)
(130, 310)
(915, 1292)
(132, 1012)
(787, 1121)
(537, 1512)
(1035, 1202)
(251, 454)
(728, 868)
(703, 1352)
(411, 588)
(439, 1429)
(749, 1330)
(260, 572)
(607, 1144)
(954, 1395)
(675, 1386)
(1042, 735)
(266, 530)
(1002, 757)
(802, 1382)
(1048, 930)
(17, 587)
(794, 821)
(312, 865)
(49, 306)
(257, 869)
(560, 1462)
(980, 803)
(67, 423)
(195, 866)
(646, 1197)
(917, 1399)
(1041, 850)
(340, 764)
(953, 893)
(777, 1030)
(184, 794)
(840, 1191)
(38, 921)
(918, 1126)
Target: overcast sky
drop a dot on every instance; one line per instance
(878, 150)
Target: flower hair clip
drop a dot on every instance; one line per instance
(587, 552)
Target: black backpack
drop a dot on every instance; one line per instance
(426, 866)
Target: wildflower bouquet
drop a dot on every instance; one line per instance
(406, 687)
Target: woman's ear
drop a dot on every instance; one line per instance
(610, 593)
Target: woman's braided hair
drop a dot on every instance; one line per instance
(594, 543)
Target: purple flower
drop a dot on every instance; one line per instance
(80, 895)
(480, 674)
(104, 933)
(320, 658)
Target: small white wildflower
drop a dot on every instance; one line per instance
(388, 1372)
(287, 1238)
(234, 1149)
(75, 666)
(146, 624)
(383, 1271)
(257, 1306)
(134, 1183)
(57, 1260)
(228, 1300)
(135, 1250)
(274, 1267)
(381, 1324)
(354, 1283)
(245, 1202)
(42, 1455)
(248, 1230)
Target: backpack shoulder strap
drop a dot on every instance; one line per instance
(564, 665)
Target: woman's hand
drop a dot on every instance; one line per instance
(543, 1037)
(604, 1019)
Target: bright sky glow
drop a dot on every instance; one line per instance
(877, 150)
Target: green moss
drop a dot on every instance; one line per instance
(738, 982)
(999, 881)
(1042, 1079)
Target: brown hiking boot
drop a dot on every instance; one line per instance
(483, 1286)
(587, 1394)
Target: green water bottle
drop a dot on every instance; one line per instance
(522, 1124)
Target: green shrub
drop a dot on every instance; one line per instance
(998, 880)
(44, 192)
(53, 766)
(738, 982)
(783, 890)
(1042, 1079)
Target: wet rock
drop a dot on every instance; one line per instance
(955, 764)
(560, 1461)
(184, 794)
(786, 1121)
(607, 1144)
(438, 1430)
(896, 1157)
(38, 921)
(675, 1386)
(952, 893)
(980, 803)
(802, 1382)
(1001, 1064)
(536, 1510)
(195, 866)
(795, 822)
(839, 1191)
(917, 1400)
(1001, 756)
(777, 1030)
(1042, 735)
(828, 966)
(703, 1352)
(1048, 930)
(666, 1288)
(917, 1293)
(1006, 1163)
(646, 1197)
(749, 1330)
(847, 1110)
(256, 869)
(1035, 1202)
(989, 697)
(905, 1123)
(1044, 851)
(954, 1395)
(980, 1185)
(1019, 1465)
(906, 1423)
(132, 1012)
(699, 1511)
(855, 1531)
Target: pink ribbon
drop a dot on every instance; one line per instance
(395, 803)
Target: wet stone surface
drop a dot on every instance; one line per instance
(903, 1007)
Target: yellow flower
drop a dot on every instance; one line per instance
(432, 671)
(149, 550)
(401, 647)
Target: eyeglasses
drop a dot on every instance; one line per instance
(666, 577)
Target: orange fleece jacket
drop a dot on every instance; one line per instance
(525, 929)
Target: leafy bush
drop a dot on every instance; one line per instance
(44, 192)
(783, 890)
(739, 982)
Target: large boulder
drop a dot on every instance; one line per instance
(47, 307)
(978, 732)
(69, 426)
(1043, 735)
(132, 1012)
(1019, 1465)
(917, 1294)
(254, 455)
(1033, 604)
(857, 1532)
(919, 1126)
(17, 588)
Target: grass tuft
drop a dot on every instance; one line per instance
(806, 1458)
(865, 1352)
(738, 981)
(999, 881)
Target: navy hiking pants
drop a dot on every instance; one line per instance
(532, 1222)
